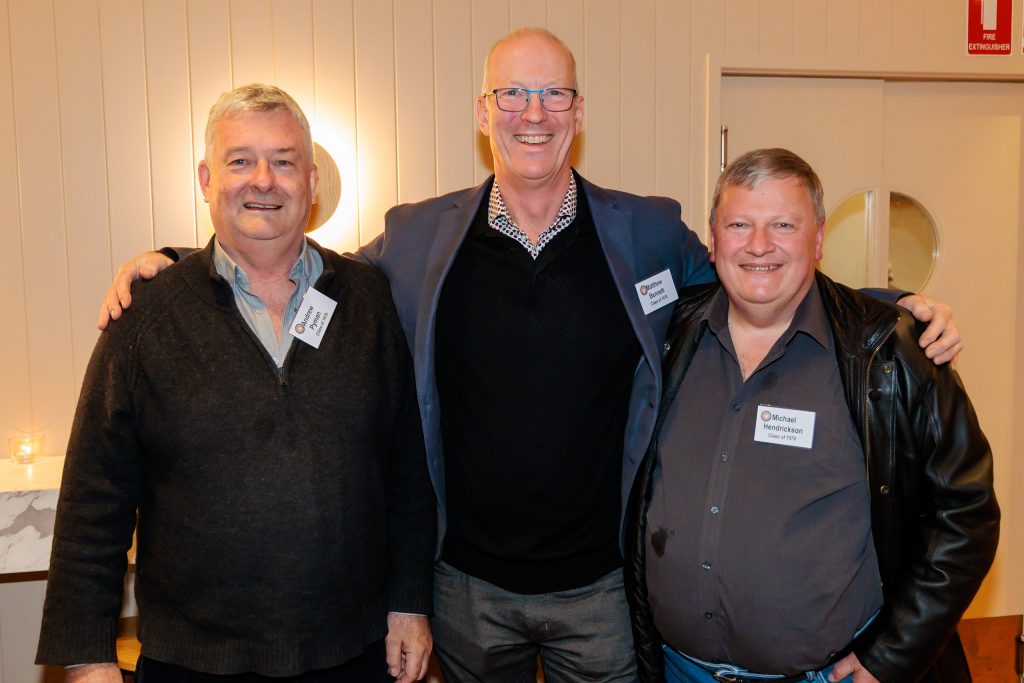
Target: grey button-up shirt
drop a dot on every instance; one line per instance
(307, 270)
(760, 555)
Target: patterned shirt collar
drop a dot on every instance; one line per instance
(499, 218)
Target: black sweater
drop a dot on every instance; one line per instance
(281, 515)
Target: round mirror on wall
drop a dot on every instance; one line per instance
(913, 242)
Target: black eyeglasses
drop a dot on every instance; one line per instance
(518, 99)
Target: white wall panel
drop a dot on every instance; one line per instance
(252, 42)
(334, 115)
(209, 62)
(776, 35)
(844, 39)
(637, 93)
(528, 13)
(671, 106)
(15, 380)
(83, 142)
(45, 254)
(169, 104)
(565, 20)
(292, 22)
(456, 88)
(490, 22)
(908, 31)
(602, 110)
(375, 113)
(415, 106)
(810, 32)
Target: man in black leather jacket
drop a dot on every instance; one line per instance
(928, 515)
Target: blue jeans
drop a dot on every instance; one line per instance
(680, 669)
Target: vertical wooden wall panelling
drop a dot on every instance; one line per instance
(127, 126)
(209, 68)
(16, 396)
(945, 34)
(528, 13)
(672, 102)
(907, 31)
(566, 20)
(334, 115)
(83, 142)
(601, 58)
(42, 204)
(171, 154)
(876, 33)
(637, 101)
(375, 113)
(490, 23)
(844, 40)
(292, 22)
(810, 29)
(415, 101)
(252, 42)
(743, 28)
(455, 90)
(776, 31)
(707, 49)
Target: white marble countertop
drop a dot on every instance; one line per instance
(28, 507)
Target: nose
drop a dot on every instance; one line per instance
(760, 242)
(262, 178)
(534, 112)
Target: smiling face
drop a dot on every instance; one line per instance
(765, 242)
(531, 147)
(260, 180)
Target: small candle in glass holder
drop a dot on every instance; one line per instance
(27, 448)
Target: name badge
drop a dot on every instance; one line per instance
(314, 315)
(656, 291)
(784, 426)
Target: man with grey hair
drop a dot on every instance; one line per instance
(831, 514)
(256, 410)
(536, 306)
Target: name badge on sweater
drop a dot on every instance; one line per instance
(784, 426)
(656, 291)
(314, 315)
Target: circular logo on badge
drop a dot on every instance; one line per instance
(766, 415)
(643, 289)
(300, 328)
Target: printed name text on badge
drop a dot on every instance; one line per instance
(656, 291)
(314, 315)
(784, 426)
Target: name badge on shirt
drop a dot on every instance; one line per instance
(784, 426)
(314, 315)
(656, 291)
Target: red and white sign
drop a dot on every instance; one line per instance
(989, 27)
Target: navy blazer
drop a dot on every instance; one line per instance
(640, 237)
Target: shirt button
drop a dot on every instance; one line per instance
(725, 457)
(714, 509)
(706, 566)
(736, 407)
(667, 346)
(708, 615)
(257, 310)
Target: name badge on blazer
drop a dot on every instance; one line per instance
(656, 291)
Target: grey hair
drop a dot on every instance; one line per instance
(519, 33)
(255, 97)
(755, 167)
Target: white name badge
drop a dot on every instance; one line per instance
(656, 291)
(784, 426)
(314, 315)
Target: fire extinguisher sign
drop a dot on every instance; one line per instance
(989, 27)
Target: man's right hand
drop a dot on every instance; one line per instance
(94, 673)
(119, 294)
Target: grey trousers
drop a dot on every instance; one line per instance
(484, 634)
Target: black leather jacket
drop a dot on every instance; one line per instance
(934, 516)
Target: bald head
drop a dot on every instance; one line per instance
(528, 33)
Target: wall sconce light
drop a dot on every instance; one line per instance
(27, 448)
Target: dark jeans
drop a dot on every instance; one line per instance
(484, 634)
(369, 667)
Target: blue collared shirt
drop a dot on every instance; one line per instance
(307, 270)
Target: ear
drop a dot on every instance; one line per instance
(579, 114)
(819, 238)
(711, 242)
(314, 181)
(204, 180)
(482, 115)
